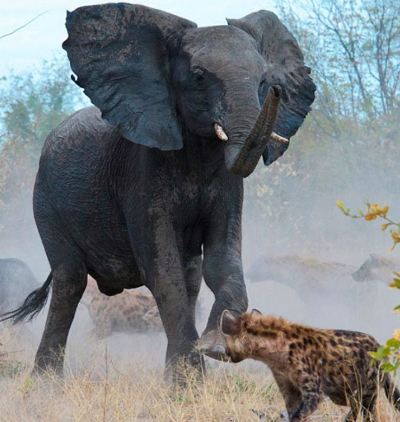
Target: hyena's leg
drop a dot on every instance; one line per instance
(352, 415)
(291, 394)
(311, 397)
(355, 408)
(364, 404)
(102, 328)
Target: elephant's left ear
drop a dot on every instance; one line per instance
(285, 68)
(120, 53)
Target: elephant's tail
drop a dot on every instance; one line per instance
(32, 305)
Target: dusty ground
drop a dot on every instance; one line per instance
(121, 378)
(114, 381)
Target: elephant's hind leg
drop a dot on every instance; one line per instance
(69, 282)
(68, 285)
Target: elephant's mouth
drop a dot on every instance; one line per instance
(242, 156)
(222, 136)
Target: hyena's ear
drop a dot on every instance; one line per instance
(256, 312)
(229, 323)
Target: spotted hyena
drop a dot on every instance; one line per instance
(308, 363)
(129, 311)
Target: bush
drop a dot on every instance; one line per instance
(389, 353)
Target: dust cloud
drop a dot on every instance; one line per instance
(306, 225)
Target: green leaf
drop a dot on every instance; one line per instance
(374, 355)
(382, 353)
(395, 283)
(340, 204)
(392, 342)
(388, 367)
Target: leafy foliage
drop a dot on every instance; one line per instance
(31, 105)
(353, 47)
(389, 353)
(373, 212)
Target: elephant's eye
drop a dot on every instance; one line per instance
(262, 90)
(198, 74)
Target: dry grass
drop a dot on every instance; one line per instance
(109, 390)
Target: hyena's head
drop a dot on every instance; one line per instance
(232, 328)
(252, 335)
(247, 334)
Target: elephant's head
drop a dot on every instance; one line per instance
(156, 75)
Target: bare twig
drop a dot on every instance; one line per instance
(23, 26)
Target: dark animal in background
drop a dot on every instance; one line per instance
(308, 363)
(310, 277)
(147, 188)
(16, 282)
(377, 268)
(308, 269)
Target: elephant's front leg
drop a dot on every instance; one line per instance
(165, 277)
(223, 274)
(172, 300)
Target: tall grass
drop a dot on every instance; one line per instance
(119, 391)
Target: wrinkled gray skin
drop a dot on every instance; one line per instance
(143, 192)
(16, 282)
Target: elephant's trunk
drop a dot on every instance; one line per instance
(241, 156)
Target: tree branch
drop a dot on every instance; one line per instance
(23, 26)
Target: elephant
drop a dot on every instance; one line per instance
(146, 187)
(16, 281)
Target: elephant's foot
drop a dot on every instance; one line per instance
(213, 345)
(45, 365)
(39, 372)
(186, 369)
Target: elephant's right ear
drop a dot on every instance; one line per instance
(120, 53)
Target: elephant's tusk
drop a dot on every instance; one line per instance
(279, 138)
(221, 135)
